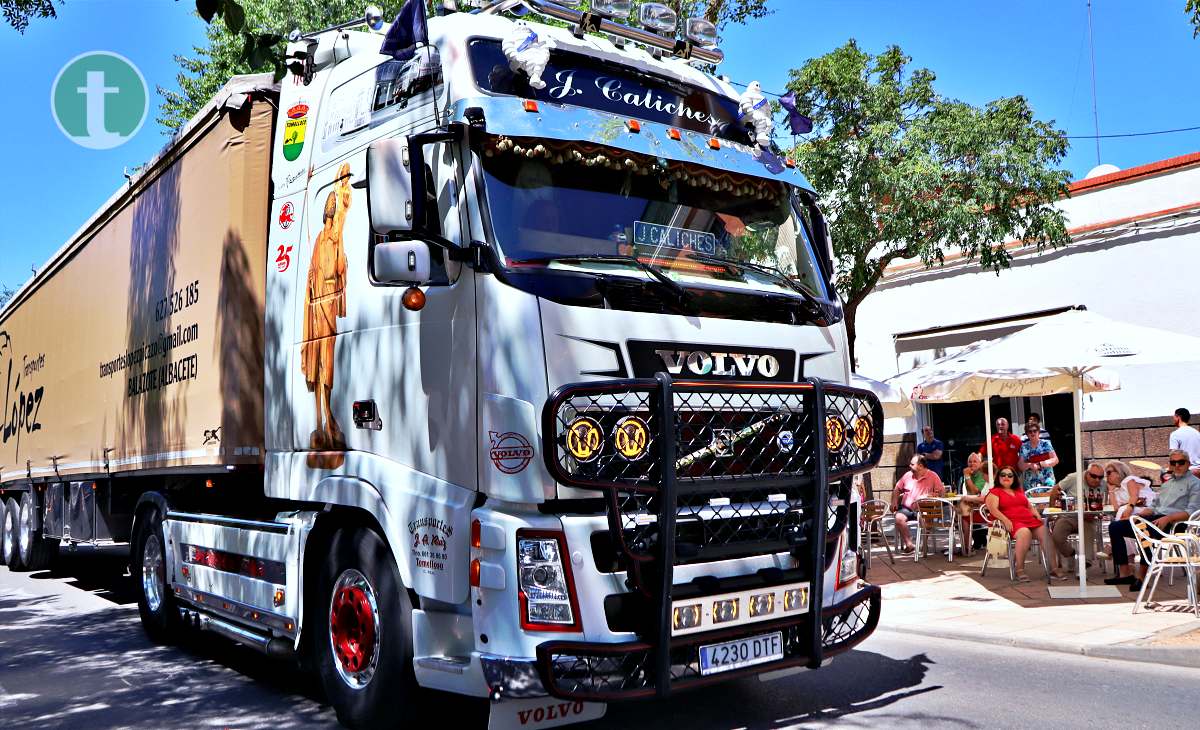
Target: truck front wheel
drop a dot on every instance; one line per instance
(362, 632)
(148, 565)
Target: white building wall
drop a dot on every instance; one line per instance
(1146, 273)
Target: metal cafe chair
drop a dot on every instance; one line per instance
(934, 514)
(1167, 552)
(873, 512)
(1012, 558)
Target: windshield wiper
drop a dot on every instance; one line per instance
(814, 306)
(679, 295)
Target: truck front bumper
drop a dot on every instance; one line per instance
(600, 672)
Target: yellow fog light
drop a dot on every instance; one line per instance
(835, 433)
(762, 604)
(631, 437)
(687, 617)
(583, 439)
(862, 432)
(725, 611)
(795, 599)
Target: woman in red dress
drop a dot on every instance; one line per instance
(1007, 503)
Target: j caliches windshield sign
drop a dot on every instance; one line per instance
(573, 78)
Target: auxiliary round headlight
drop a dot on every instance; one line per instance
(583, 439)
(631, 437)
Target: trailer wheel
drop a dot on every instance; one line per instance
(8, 531)
(33, 551)
(362, 632)
(156, 604)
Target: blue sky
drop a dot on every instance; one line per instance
(1146, 64)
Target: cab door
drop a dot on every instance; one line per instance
(357, 343)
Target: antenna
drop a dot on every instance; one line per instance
(1092, 49)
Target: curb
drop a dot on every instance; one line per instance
(1134, 651)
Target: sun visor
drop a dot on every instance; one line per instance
(540, 119)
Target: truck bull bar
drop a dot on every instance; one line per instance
(696, 471)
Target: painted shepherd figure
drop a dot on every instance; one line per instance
(324, 303)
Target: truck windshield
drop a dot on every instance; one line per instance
(557, 200)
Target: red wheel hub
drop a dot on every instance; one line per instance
(352, 628)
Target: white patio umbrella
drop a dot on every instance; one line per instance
(896, 403)
(1070, 352)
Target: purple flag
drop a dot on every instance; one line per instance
(799, 123)
(408, 31)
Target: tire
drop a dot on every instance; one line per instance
(362, 606)
(33, 551)
(3, 512)
(9, 529)
(147, 565)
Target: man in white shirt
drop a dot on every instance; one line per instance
(1186, 438)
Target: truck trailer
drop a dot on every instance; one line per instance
(479, 354)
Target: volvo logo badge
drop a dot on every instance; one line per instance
(729, 364)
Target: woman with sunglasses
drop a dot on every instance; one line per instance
(1006, 502)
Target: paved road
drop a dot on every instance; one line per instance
(73, 655)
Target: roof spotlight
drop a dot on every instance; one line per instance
(657, 17)
(374, 17)
(612, 8)
(702, 32)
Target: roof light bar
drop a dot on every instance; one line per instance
(642, 36)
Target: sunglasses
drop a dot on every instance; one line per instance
(1008, 474)
(1178, 462)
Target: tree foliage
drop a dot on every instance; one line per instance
(5, 294)
(905, 173)
(245, 36)
(18, 13)
(1193, 11)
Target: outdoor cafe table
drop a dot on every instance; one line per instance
(1098, 514)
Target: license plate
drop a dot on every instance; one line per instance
(730, 655)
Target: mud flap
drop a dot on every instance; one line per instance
(542, 712)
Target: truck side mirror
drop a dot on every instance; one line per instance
(401, 262)
(390, 187)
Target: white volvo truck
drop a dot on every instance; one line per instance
(499, 360)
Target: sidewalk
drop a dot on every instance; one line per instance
(937, 598)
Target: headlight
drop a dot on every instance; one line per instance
(546, 591)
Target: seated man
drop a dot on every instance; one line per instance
(1068, 523)
(1179, 497)
(920, 482)
(975, 486)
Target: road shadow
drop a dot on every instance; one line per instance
(856, 682)
(60, 668)
(102, 573)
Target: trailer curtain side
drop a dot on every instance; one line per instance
(140, 344)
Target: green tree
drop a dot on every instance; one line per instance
(905, 173)
(18, 13)
(5, 294)
(1193, 11)
(251, 42)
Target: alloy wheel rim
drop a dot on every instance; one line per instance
(8, 530)
(354, 628)
(25, 528)
(153, 573)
